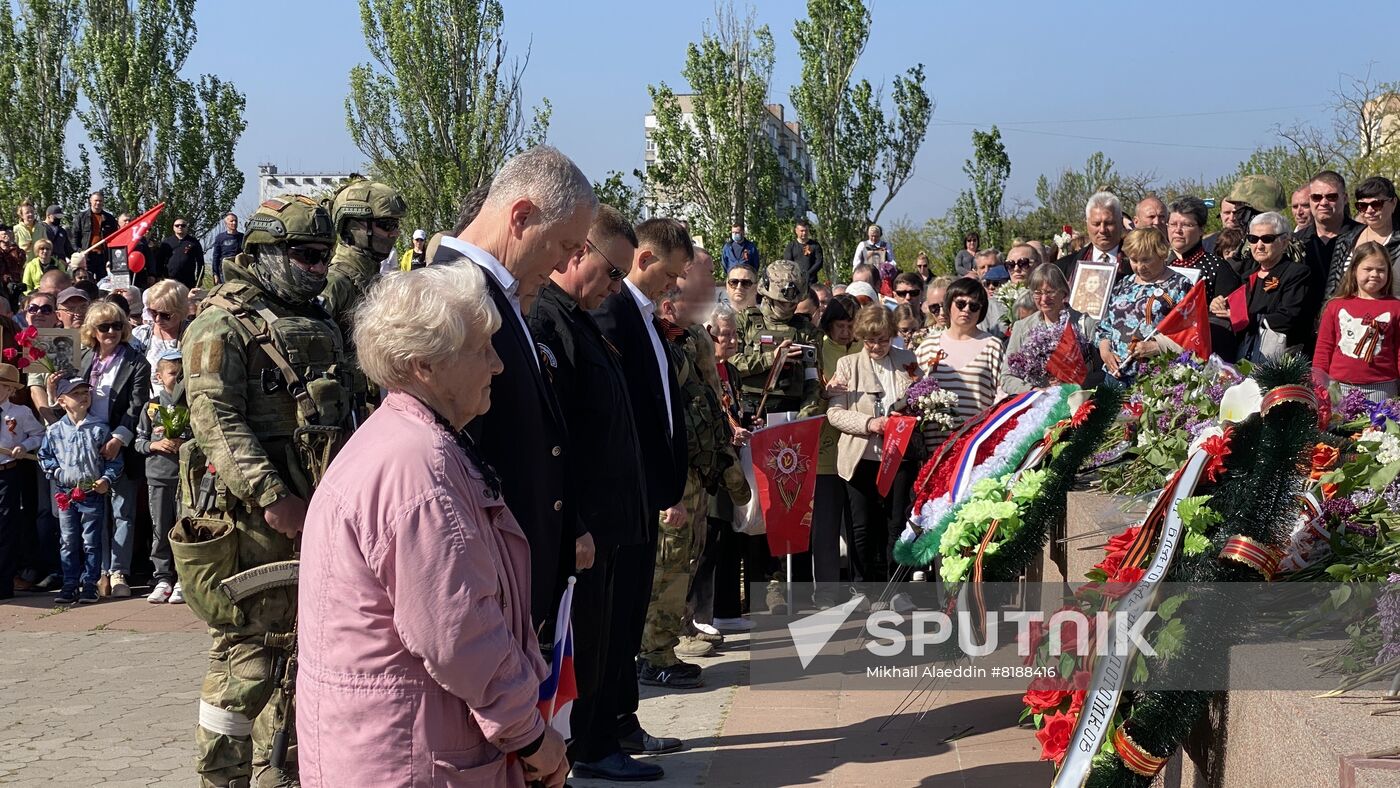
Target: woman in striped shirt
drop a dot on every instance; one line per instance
(963, 359)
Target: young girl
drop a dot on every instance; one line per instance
(1357, 343)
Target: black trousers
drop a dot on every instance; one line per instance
(592, 719)
(876, 520)
(636, 566)
(12, 526)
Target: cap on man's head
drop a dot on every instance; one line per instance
(997, 274)
(54, 210)
(1260, 192)
(419, 235)
(863, 292)
(68, 385)
(73, 292)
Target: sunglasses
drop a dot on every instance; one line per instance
(935, 309)
(967, 305)
(1020, 264)
(1267, 238)
(180, 224)
(1362, 206)
(907, 293)
(162, 315)
(741, 283)
(387, 225)
(1329, 197)
(108, 328)
(614, 273)
(39, 309)
(308, 255)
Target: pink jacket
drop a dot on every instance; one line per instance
(418, 665)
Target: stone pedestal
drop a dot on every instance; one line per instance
(1090, 520)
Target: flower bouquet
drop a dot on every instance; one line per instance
(932, 404)
(1173, 402)
(171, 421)
(78, 494)
(28, 352)
(1008, 294)
(1031, 362)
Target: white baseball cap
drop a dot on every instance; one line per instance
(419, 235)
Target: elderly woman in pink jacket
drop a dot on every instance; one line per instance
(418, 665)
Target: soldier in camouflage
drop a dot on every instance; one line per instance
(264, 372)
(366, 217)
(712, 463)
(774, 330)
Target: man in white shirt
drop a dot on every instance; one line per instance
(1104, 217)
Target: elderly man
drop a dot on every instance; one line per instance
(1104, 216)
(72, 307)
(534, 219)
(1301, 206)
(604, 476)
(984, 261)
(628, 319)
(1150, 212)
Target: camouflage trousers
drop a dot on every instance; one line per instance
(240, 705)
(677, 551)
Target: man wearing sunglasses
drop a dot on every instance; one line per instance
(1327, 196)
(366, 216)
(181, 256)
(250, 410)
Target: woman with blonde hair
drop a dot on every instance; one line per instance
(167, 314)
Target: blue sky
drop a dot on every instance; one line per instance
(1050, 75)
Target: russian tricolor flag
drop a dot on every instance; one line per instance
(560, 690)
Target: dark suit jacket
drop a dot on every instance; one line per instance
(663, 446)
(1069, 263)
(130, 392)
(523, 436)
(82, 238)
(1284, 306)
(606, 480)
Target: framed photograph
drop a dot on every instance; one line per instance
(1089, 292)
(60, 347)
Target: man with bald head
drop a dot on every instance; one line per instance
(1151, 212)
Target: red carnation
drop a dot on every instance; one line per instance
(1045, 694)
(1054, 736)
(1082, 414)
(1068, 228)
(1218, 447)
(78, 494)
(62, 500)
(1134, 408)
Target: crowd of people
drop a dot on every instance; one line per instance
(548, 395)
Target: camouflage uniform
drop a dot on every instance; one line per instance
(358, 251)
(247, 430)
(762, 328)
(712, 463)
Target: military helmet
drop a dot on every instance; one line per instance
(782, 280)
(294, 219)
(1259, 192)
(362, 198)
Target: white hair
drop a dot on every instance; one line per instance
(722, 313)
(547, 178)
(1277, 223)
(423, 315)
(1104, 200)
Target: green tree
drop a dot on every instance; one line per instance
(440, 109)
(36, 73)
(988, 169)
(1363, 138)
(1062, 201)
(159, 137)
(935, 237)
(714, 163)
(614, 190)
(852, 144)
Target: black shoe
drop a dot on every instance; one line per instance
(672, 676)
(66, 597)
(643, 743)
(619, 768)
(88, 596)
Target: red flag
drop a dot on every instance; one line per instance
(1188, 324)
(898, 430)
(134, 231)
(1239, 308)
(785, 470)
(1066, 362)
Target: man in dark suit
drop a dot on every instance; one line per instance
(91, 226)
(629, 321)
(536, 216)
(604, 479)
(1104, 217)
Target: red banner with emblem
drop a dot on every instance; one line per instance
(785, 470)
(898, 431)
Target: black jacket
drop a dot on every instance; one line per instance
(180, 259)
(1341, 254)
(808, 257)
(1070, 263)
(82, 239)
(1284, 306)
(606, 487)
(662, 431)
(58, 236)
(131, 390)
(522, 437)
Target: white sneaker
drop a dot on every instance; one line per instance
(708, 629)
(731, 624)
(919, 577)
(902, 603)
(160, 594)
(120, 588)
(177, 597)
